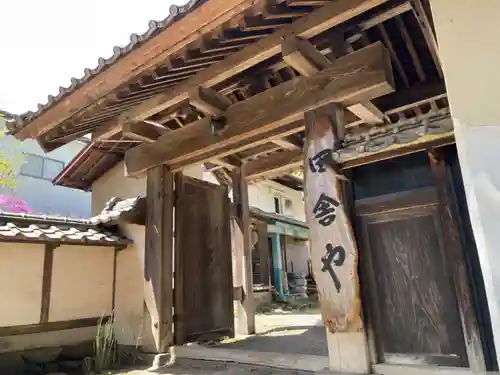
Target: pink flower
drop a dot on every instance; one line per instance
(13, 204)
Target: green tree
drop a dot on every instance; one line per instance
(10, 161)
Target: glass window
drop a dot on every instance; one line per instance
(32, 166)
(51, 168)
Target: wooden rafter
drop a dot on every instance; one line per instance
(362, 75)
(274, 163)
(330, 15)
(153, 52)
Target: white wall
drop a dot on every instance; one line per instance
(81, 287)
(467, 32)
(261, 195)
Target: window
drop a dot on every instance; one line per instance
(288, 205)
(40, 167)
(277, 205)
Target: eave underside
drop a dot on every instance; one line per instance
(414, 115)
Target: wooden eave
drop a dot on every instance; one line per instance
(153, 97)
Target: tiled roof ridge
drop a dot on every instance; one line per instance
(45, 218)
(154, 27)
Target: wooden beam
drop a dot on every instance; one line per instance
(334, 255)
(48, 262)
(158, 266)
(29, 329)
(362, 75)
(288, 143)
(242, 253)
(209, 101)
(301, 55)
(330, 15)
(307, 60)
(141, 131)
(155, 51)
(274, 163)
(368, 112)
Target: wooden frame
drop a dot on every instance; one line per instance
(417, 202)
(445, 206)
(29, 329)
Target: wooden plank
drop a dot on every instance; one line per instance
(362, 75)
(306, 27)
(48, 262)
(274, 163)
(334, 255)
(209, 101)
(457, 263)
(307, 60)
(172, 39)
(29, 329)
(242, 253)
(158, 255)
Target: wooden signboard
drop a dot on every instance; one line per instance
(334, 256)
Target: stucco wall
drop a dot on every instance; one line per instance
(82, 287)
(467, 33)
(82, 282)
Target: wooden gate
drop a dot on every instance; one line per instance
(203, 271)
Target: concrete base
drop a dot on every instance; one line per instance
(277, 360)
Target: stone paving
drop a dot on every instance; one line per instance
(194, 367)
(289, 333)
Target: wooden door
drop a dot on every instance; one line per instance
(412, 303)
(203, 269)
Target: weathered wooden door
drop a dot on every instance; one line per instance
(412, 302)
(203, 271)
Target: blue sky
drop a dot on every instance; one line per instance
(45, 43)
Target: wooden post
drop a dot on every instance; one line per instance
(158, 291)
(263, 246)
(242, 253)
(334, 256)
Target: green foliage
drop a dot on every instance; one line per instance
(10, 161)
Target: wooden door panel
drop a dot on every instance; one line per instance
(203, 280)
(414, 308)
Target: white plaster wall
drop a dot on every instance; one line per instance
(297, 254)
(261, 195)
(467, 32)
(21, 270)
(82, 282)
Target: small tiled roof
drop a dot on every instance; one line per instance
(154, 28)
(16, 227)
(132, 210)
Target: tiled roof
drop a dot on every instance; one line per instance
(16, 227)
(154, 27)
(132, 210)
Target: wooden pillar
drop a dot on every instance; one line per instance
(277, 263)
(158, 291)
(334, 255)
(263, 247)
(242, 253)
